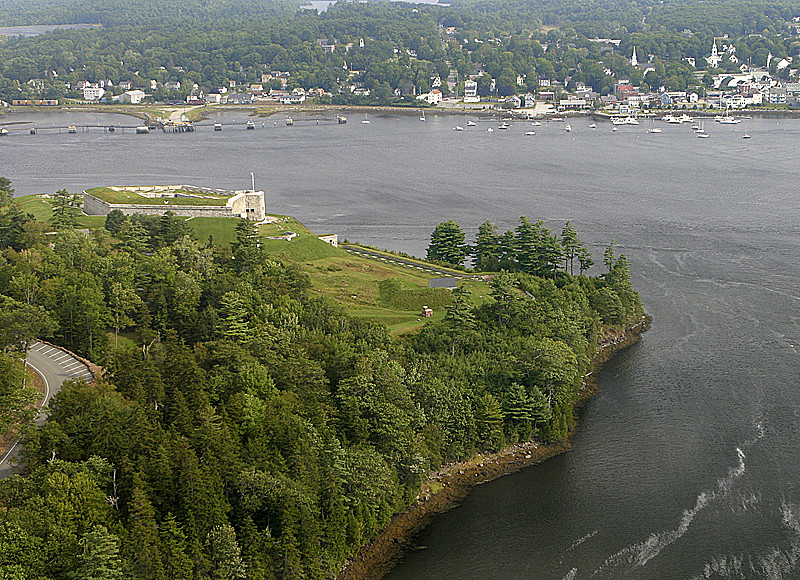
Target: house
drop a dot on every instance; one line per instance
(432, 98)
(427, 312)
(133, 97)
(125, 85)
(530, 100)
(470, 89)
(777, 96)
(93, 93)
(239, 98)
(572, 103)
(214, 98)
(172, 85)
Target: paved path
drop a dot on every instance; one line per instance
(55, 366)
(408, 263)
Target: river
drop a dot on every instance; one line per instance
(686, 463)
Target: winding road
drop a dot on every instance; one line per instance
(55, 366)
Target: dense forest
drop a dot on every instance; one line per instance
(406, 47)
(245, 428)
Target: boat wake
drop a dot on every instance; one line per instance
(579, 541)
(641, 553)
(774, 564)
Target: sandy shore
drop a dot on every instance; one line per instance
(447, 487)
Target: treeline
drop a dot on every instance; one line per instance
(246, 428)
(212, 44)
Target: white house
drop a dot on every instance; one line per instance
(133, 97)
(433, 98)
(93, 93)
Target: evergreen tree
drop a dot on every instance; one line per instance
(6, 192)
(447, 244)
(99, 558)
(487, 247)
(142, 545)
(225, 554)
(66, 209)
(172, 545)
(114, 221)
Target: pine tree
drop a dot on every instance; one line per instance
(172, 545)
(142, 541)
(99, 559)
(447, 244)
(225, 554)
(487, 247)
(66, 209)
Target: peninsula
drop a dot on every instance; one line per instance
(272, 404)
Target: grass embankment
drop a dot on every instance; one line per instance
(116, 196)
(393, 294)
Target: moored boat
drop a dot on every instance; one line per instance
(142, 129)
(250, 126)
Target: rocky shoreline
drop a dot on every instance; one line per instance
(447, 487)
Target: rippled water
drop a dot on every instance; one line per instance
(686, 464)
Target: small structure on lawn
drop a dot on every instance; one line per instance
(427, 312)
(449, 283)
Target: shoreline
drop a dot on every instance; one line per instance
(148, 113)
(453, 482)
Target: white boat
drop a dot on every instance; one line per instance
(593, 126)
(746, 136)
(631, 121)
(471, 123)
(695, 127)
(365, 121)
(617, 121)
(74, 129)
(142, 130)
(289, 121)
(341, 119)
(489, 130)
(654, 130)
(613, 129)
(422, 115)
(3, 131)
(685, 118)
(702, 132)
(503, 126)
(671, 120)
(728, 120)
(557, 119)
(250, 126)
(536, 124)
(529, 133)
(217, 126)
(458, 128)
(567, 128)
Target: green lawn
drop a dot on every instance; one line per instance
(113, 196)
(370, 288)
(222, 230)
(37, 206)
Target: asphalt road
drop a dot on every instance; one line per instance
(55, 366)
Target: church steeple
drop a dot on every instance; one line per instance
(634, 60)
